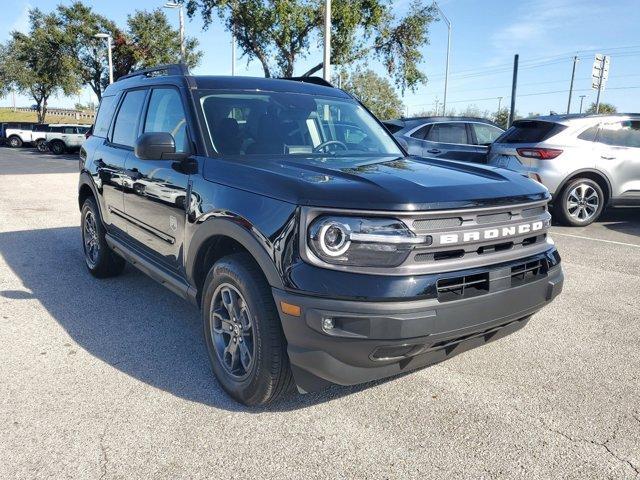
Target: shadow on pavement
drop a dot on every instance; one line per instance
(130, 322)
(623, 220)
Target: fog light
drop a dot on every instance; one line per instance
(327, 324)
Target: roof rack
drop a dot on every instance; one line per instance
(160, 70)
(315, 80)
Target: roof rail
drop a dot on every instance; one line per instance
(315, 80)
(159, 70)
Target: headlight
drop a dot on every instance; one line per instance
(364, 242)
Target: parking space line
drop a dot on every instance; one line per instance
(595, 239)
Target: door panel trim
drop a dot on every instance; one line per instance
(147, 228)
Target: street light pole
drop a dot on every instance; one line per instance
(573, 75)
(446, 73)
(233, 55)
(326, 62)
(581, 100)
(181, 19)
(109, 47)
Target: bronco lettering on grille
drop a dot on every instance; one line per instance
(491, 233)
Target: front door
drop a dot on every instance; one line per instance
(619, 144)
(448, 140)
(156, 202)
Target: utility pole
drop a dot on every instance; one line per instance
(599, 75)
(13, 94)
(326, 63)
(499, 103)
(446, 73)
(174, 4)
(437, 102)
(233, 55)
(581, 100)
(107, 37)
(513, 88)
(573, 74)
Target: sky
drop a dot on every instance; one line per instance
(486, 34)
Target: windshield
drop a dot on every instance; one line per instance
(267, 123)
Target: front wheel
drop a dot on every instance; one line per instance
(15, 142)
(580, 203)
(243, 333)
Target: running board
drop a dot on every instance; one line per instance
(146, 265)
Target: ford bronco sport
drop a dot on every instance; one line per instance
(318, 251)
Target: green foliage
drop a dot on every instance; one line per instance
(501, 117)
(39, 63)
(375, 92)
(605, 108)
(279, 32)
(148, 40)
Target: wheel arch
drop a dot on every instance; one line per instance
(216, 238)
(597, 176)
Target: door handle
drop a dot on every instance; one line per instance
(607, 157)
(433, 150)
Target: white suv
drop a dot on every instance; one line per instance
(586, 161)
(62, 138)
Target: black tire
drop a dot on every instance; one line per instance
(580, 203)
(101, 261)
(42, 146)
(268, 375)
(58, 147)
(15, 141)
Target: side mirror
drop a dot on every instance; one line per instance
(156, 146)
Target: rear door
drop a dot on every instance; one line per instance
(619, 149)
(448, 140)
(110, 158)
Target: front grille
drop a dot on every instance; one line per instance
(494, 218)
(462, 287)
(437, 223)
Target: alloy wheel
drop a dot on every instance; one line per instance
(91, 241)
(583, 202)
(231, 330)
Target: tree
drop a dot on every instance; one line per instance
(375, 92)
(501, 117)
(148, 41)
(277, 33)
(39, 63)
(154, 42)
(605, 108)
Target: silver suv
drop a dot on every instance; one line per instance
(586, 161)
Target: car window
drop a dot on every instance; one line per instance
(105, 113)
(530, 131)
(166, 114)
(68, 130)
(420, 133)
(485, 134)
(448, 133)
(621, 134)
(125, 128)
(589, 134)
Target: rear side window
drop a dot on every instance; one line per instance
(421, 132)
(621, 134)
(105, 113)
(485, 134)
(392, 127)
(448, 133)
(125, 129)
(530, 131)
(589, 134)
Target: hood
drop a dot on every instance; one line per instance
(376, 183)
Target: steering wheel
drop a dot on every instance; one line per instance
(324, 145)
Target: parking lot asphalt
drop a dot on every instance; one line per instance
(110, 378)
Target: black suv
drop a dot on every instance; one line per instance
(318, 251)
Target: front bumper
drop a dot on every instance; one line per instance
(374, 340)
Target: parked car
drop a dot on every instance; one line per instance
(318, 255)
(587, 162)
(62, 138)
(19, 133)
(454, 138)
